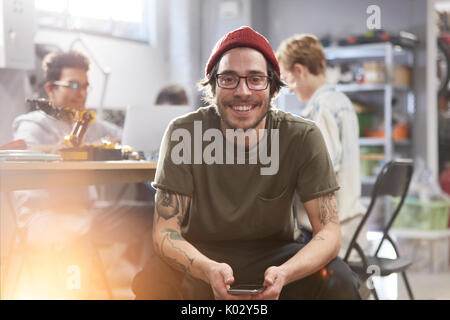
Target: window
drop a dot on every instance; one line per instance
(126, 19)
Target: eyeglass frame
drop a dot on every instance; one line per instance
(268, 77)
(70, 85)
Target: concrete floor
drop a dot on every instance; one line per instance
(426, 286)
(429, 279)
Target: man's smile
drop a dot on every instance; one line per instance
(242, 109)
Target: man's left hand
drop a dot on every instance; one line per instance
(274, 280)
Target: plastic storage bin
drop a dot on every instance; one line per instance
(367, 167)
(432, 215)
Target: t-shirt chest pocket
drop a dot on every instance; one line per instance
(272, 211)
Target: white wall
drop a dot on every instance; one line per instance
(184, 45)
(13, 91)
(137, 69)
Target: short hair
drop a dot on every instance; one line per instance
(208, 83)
(55, 62)
(172, 94)
(305, 49)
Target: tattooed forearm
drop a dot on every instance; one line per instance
(170, 235)
(328, 209)
(173, 234)
(170, 211)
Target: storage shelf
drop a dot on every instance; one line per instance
(361, 51)
(366, 87)
(374, 156)
(357, 87)
(390, 55)
(368, 142)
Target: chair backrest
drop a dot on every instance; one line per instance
(393, 180)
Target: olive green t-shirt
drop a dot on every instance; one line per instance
(235, 201)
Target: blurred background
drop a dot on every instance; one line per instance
(395, 72)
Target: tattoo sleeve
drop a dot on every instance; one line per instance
(171, 207)
(328, 212)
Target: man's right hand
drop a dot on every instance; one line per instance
(220, 278)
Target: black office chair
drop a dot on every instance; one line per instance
(393, 180)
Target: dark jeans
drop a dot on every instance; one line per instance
(130, 223)
(159, 281)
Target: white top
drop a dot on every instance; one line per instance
(334, 114)
(37, 127)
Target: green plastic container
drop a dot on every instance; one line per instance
(365, 120)
(367, 166)
(432, 215)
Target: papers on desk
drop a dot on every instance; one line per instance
(27, 155)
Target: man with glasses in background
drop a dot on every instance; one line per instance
(67, 85)
(60, 224)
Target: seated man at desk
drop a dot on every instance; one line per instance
(67, 85)
(225, 218)
(61, 218)
(173, 95)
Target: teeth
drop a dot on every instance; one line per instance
(242, 108)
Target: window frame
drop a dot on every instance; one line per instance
(113, 28)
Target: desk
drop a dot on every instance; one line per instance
(60, 174)
(42, 175)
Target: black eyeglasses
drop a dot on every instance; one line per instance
(73, 85)
(231, 81)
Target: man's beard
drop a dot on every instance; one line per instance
(219, 110)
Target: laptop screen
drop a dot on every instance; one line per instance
(145, 126)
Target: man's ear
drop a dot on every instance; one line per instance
(49, 88)
(300, 69)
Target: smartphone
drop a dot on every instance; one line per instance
(246, 289)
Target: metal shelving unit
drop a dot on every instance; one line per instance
(390, 55)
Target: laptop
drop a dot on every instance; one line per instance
(145, 126)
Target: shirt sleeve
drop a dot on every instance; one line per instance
(33, 133)
(172, 175)
(316, 176)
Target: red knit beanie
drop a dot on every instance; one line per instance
(242, 37)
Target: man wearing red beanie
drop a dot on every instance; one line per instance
(221, 220)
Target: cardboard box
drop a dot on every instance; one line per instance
(402, 76)
(374, 72)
